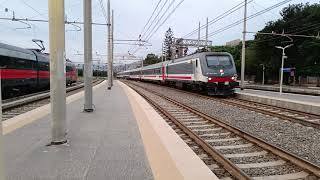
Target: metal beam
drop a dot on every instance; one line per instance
(191, 42)
(57, 71)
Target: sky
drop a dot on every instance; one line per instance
(130, 16)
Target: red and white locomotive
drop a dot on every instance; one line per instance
(210, 72)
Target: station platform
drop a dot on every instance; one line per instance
(299, 102)
(315, 91)
(124, 138)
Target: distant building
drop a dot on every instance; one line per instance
(233, 43)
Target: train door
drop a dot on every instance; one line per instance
(196, 68)
(162, 70)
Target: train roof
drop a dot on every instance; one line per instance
(13, 51)
(193, 56)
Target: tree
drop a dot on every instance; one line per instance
(168, 41)
(304, 55)
(151, 59)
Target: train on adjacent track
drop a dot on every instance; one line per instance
(27, 70)
(211, 72)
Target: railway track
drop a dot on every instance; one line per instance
(303, 118)
(19, 106)
(234, 154)
(306, 119)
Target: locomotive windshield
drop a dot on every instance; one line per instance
(214, 61)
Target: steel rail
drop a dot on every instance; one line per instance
(303, 164)
(281, 116)
(216, 155)
(262, 111)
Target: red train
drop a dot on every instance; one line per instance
(27, 70)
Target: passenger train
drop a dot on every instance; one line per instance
(211, 72)
(27, 70)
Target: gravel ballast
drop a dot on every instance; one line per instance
(295, 138)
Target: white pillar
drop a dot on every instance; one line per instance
(109, 48)
(87, 73)
(281, 73)
(243, 59)
(57, 71)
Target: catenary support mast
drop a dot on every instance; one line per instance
(57, 71)
(88, 55)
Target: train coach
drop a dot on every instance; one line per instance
(27, 70)
(211, 72)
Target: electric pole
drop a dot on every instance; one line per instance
(112, 47)
(243, 59)
(57, 71)
(207, 33)
(199, 34)
(109, 47)
(87, 55)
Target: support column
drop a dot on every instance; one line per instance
(109, 48)
(199, 34)
(243, 58)
(87, 55)
(57, 71)
(207, 33)
(112, 47)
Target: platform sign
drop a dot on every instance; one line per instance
(288, 70)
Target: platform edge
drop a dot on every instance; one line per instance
(169, 156)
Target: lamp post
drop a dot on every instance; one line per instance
(282, 63)
(263, 69)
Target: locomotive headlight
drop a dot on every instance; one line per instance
(234, 78)
(209, 79)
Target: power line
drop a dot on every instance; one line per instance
(41, 14)
(157, 27)
(142, 35)
(151, 16)
(248, 18)
(159, 20)
(154, 24)
(103, 11)
(166, 19)
(221, 16)
(304, 29)
(143, 30)
(45, 21)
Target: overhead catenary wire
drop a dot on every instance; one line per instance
(218, 18)
(46, 21)
(170, 14)
(301, 30)
(103, 11)
(154, 19)
(248, 18)
(151, 16)
(159, 20)
(160, 23)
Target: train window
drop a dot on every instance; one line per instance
(196, 63)
(218, 61)
(43, 66)
(68, 68)
(4, 62)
